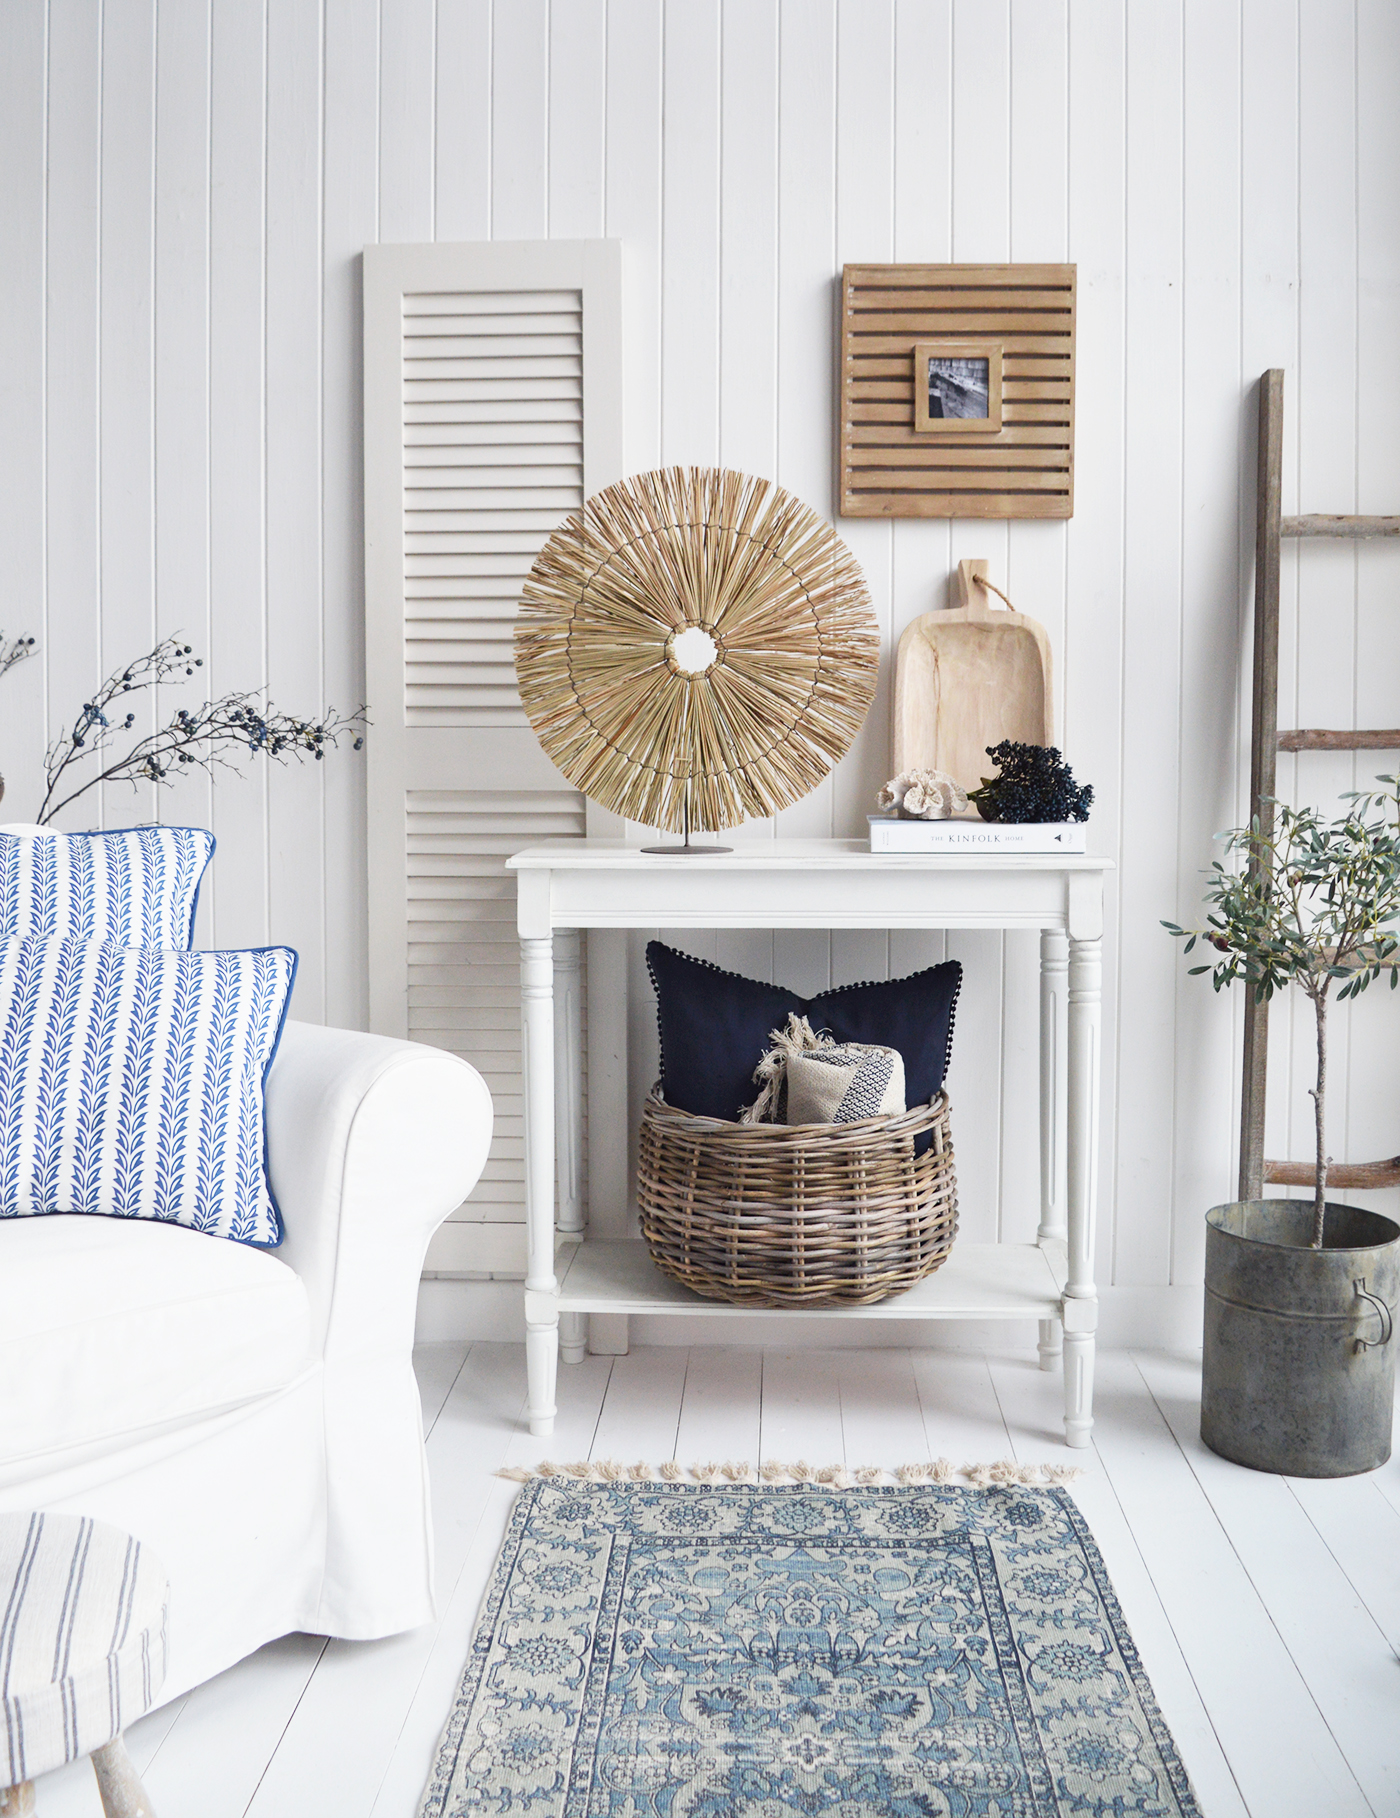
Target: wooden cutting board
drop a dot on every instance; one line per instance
(967, 678)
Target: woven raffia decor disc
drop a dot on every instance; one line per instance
(795, 648)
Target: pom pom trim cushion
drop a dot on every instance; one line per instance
(131, 1083)
(132, 887)
(716, 1026)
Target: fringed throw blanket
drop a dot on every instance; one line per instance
(810, 1078)
(737, 1650)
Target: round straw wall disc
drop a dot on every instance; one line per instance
(698, 636)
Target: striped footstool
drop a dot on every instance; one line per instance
(82, 1654)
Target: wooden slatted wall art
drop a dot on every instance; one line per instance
(492, 409)
(889, 468)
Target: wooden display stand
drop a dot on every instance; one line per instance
(784, 884)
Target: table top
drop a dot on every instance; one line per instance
(788, 855)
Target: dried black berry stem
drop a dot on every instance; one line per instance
(212, 733)
(14, 650)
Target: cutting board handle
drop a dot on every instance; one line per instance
(973, 597)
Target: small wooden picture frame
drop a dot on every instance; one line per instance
(957, 387)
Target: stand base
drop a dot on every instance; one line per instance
(686, 851)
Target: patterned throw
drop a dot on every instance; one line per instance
(745, 1651)
(131, 1083)
(807, 1077)
(136, 888)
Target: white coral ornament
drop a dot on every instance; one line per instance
(924, 795)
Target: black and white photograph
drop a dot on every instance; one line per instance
(957, 386)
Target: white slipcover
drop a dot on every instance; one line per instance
(252, 1416)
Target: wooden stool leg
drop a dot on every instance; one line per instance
(17, 1801)
(123, 1795)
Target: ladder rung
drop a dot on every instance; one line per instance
(1321, 524)
(1317, 738)
(1356, 1175)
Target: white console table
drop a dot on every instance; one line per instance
(579, 884)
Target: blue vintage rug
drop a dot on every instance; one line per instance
(683, 1650)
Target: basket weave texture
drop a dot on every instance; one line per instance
(797, 1215)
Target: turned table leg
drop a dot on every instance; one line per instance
(123, 1795)
(1054, 1024)
(541, 1288)
(1080, 1305)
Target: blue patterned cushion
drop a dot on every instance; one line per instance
(136, 888)
(131, 1082)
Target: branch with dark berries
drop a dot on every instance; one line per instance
(215, 732)
(13, 650)
(1033, 783)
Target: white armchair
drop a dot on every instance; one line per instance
(253, 1415)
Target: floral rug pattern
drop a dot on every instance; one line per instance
(744, 1651)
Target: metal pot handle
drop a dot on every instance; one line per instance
(1387, 1323)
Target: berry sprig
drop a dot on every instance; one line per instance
(213, 733)
(1033, 783)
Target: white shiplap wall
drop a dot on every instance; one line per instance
(184, 189)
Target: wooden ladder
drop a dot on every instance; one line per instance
(1267, 742)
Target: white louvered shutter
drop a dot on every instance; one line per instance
(492, 409)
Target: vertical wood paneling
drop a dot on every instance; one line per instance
(407, 126)
(807, 202)
(462, 144)
(23, 134)
(1039, 230)
(71, 631)
(351, 210)
(1151, 626)
(1371, 1099)
(237, 429)
(1092, 652)
(806, 314)
(749, 235)
(126, 351)
(1326, 405)
(980, 192)
(1038, 203)
(188, 186)
(690, 233)
(181, 349)
(292, 327)
(633, 201)
(1215, 526)
(520, 119)
(1269, 337)
(578, 41)
(923, 233)
(865, 191)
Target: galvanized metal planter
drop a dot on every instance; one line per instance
(1299, 1369)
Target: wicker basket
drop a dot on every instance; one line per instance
(797, 1215)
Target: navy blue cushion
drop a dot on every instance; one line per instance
(716, 1026)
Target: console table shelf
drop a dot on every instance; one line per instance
(978, 1281)
(579, 884)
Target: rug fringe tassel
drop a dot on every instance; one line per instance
(1003, 1472)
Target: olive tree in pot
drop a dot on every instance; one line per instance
(1300, 1295)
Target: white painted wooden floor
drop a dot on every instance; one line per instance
(1267, 1611)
